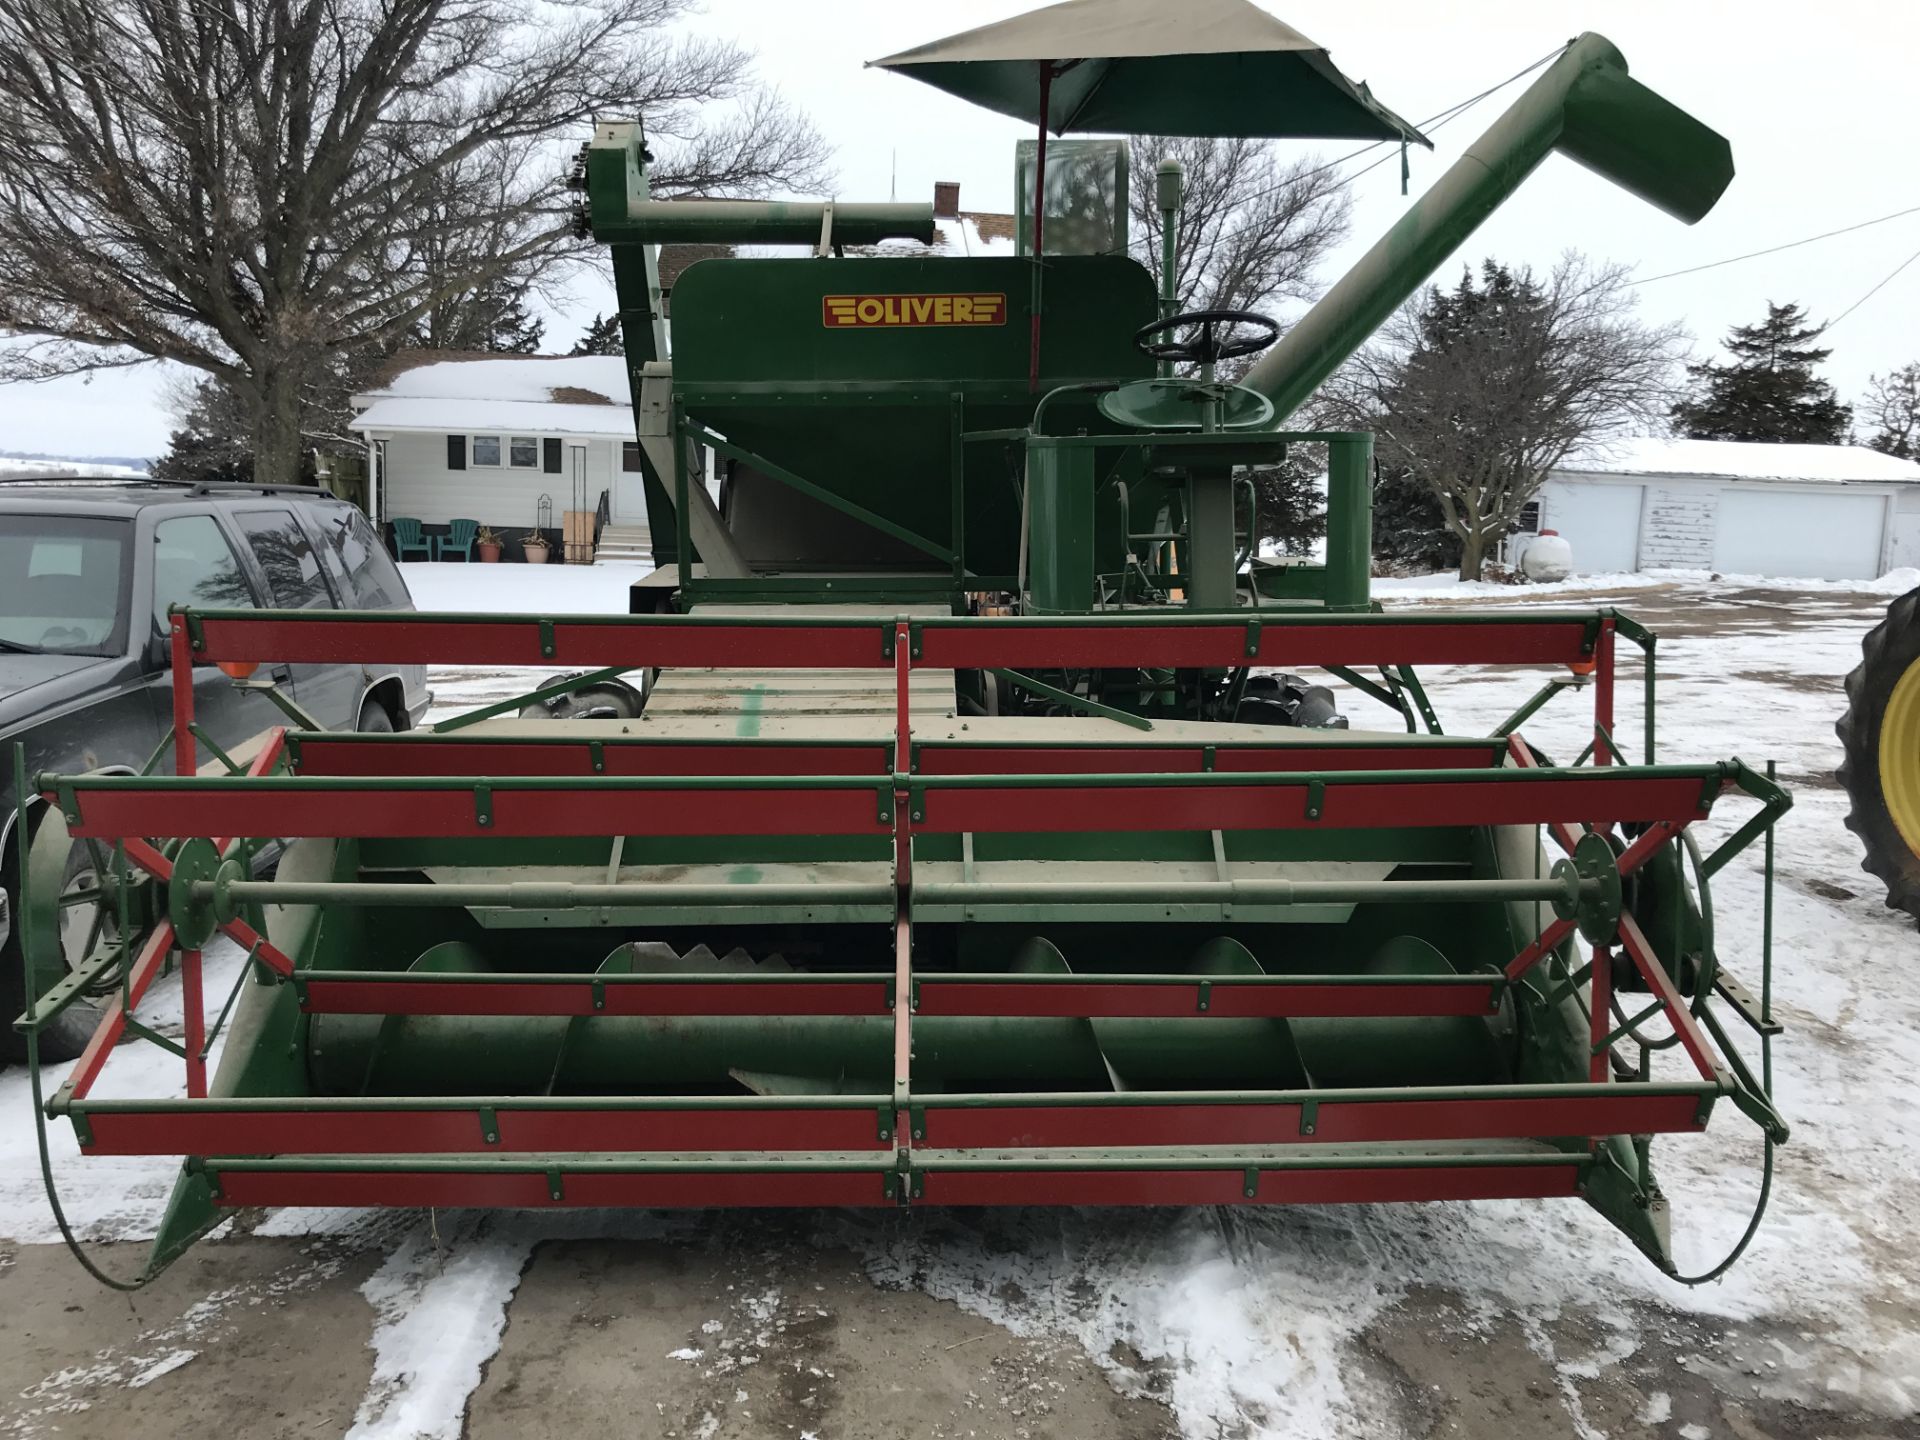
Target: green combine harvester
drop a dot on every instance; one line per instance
(957, 819)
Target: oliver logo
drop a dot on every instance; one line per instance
(837, 311)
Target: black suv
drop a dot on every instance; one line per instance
(87, 571)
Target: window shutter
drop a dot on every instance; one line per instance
(456, 452)
(550, 456)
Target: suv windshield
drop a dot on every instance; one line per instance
(63, 581)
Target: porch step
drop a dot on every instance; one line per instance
(625, 544)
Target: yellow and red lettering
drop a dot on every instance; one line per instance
(861, 311)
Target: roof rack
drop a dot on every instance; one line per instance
(188, 487)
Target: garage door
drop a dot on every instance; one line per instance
(1600, 522)
(1817, 536)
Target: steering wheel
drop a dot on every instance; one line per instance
(1208, 346)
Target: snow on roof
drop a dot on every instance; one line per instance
(496, 417)
(521, 394)
(970, 235)
(1742, 460)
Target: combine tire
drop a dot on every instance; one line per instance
(1880, 736)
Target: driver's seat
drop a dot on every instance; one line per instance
(1174, 403)
(1199, 403)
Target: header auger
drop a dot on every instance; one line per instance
(979, 841)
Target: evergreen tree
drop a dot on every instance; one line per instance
(492, 318)
(1770, 391)
(602, 337)
(1893, 406)
(1292, 501)
(214, 440)
(1409, 529)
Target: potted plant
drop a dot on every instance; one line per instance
(489, 542)
(534, 543)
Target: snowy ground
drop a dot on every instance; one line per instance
(555, 589)
(1476, 1320)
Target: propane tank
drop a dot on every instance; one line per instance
(1547, 557)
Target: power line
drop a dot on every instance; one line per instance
(1446, 117)
(1776, 249)
(1871, 293)
(1437, 120)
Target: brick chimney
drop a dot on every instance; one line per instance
(946, 199)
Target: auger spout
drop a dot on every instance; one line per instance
(1585, 106)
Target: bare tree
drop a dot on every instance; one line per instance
(1251, 229)
(1892, 406)
(1479, 391)
(264, 190)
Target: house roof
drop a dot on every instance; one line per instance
(1742, 460)
(970, 234)
(517, 394)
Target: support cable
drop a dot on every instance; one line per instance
(1433, 122)
(1766, 1070)
(71, 1240)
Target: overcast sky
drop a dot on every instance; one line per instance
(1816, 100)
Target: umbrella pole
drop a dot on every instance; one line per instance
(1039, 228)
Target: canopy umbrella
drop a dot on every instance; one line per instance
(1146, 67)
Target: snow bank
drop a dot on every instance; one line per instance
(1447, 586)
(523, 589)
(14, 469)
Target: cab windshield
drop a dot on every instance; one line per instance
(63, 581)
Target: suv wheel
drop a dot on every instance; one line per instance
(82, 925)
(374, 719)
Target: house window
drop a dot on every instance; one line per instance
(523, 452)
(630, 458)
(486, 450)
(1529, 521)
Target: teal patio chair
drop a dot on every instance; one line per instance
(407, 538)
(459, 539)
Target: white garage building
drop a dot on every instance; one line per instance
(1825, 512)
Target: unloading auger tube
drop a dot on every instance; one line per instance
(976, 824)
(1584, 106)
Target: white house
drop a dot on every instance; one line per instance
(1826, 512)
(488, 438)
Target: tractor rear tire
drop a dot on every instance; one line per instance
(1880, 739)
